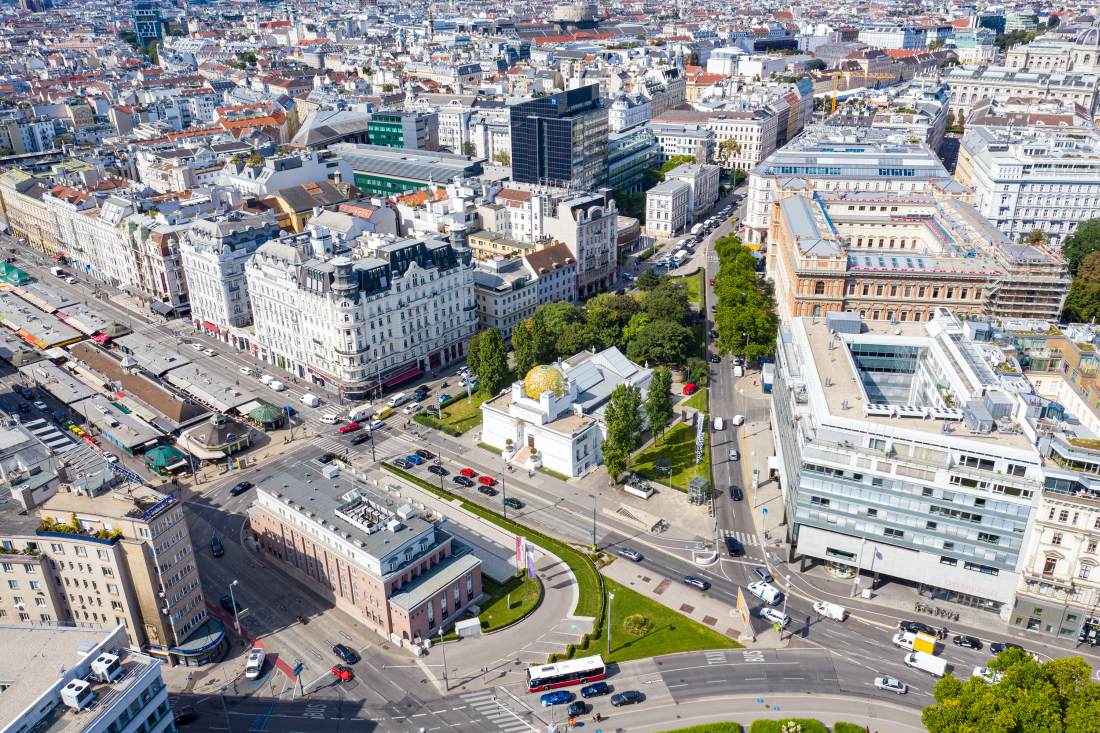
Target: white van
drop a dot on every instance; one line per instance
(277, 385)
(255, 664)
(738, 420)
(935, 666)
(766, 592)
(360, 413)
(830, 610)
(398, 399)
(696, 229)
(57, 272)
(310, 399)
(330, 419)
(267, 378)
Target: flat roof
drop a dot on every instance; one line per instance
(214, 386)
(43, 329)
(443, 575)
(155, 355)
(58, 382)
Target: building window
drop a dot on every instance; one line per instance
(1056, 539)
(891, 532)
(1049, 565)
(819, 288)
(1083, 572)
(948, 561)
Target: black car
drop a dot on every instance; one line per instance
(999, 646)
(229, 605)
(577, 707)
(242, 486)
(512, 503)
(487, 490)
(595, 689)
(916, 627)
(216, 548)
(420, 393)
(463, 481)
(735, 493)
(326, 458)
(696, 582)
(968, 642)
(734, 548)
(360, 438)
(713, 334)
(427, 455)
(438, 470)
(402, 463)
(629, 697)
(715, 359)
(345, 653)
(184, 715)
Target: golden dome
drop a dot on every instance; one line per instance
(543, 379)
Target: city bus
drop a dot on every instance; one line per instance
(562, 674)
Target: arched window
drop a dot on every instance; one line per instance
(819, 287)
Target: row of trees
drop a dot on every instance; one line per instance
(745, 319)
(1082, 252)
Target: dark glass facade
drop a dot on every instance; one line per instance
(561, 139)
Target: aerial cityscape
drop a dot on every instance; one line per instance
(384, 367)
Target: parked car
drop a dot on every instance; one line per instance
(916, 627)
(326, 458)
(773, 616)
(734, 454)
(487, 480)
(714, 358)
(628, 697)
(487, 490)
(438, 470)
(734, 548)
(229, 605)
(891, 685)
(414, 460)
(463, 481)
(342, 673)
(967, 642)
(110, 458)
(401, 463)
(442, 398)
(696, 582)
(39, 404)
(513, 503)
(240, 487)
(427, 455)
(690, 388)
(999, 646)
(184, 715)
(216, 548)
(735, 493)
(557, 697)
(595, 689)
(577, 707)
(360, 439)
(412, 408)
(762, 573)
(713, 333)
(350, 427)
(345, 653)
(987, 674)
(469, 473)
(629, 554)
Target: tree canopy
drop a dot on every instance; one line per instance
(1083, 301)
(488, 358)
(1051, 697)
(1083, 242)
(745, 317)
(658, 401)
(623, 419)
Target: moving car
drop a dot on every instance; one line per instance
(987, 674)
(719, 423)
(360, 439)
(240, 487)
(735, 455)
(916, 627)
(438, 470)
(197, 347)
(469, 473)
(513, 503)
(627, 697)
(735, 493)
(766, 592)
(39, 404)
(999, 646)
(376, 425)
(420, 393)
(216, 548)
(629, 554)
(734, 548)
(110, 458)
(762, 573)
(557, 697)
(330, 418)
(891, 684)
(696, 582)
(738, 420)
(342, 673)
(325, 458)
(412, 408)
(345, 653)
(595, 689)
(247, 371)
(967, 642)
(230, 605)
(184, 715)
(442, 398)
(487, 480)
(830, 610)
(773, 616)
(463, 481)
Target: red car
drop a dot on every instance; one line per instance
(690, 388)
(468, 472)
(487, 480)
(342, 673)
(350, 427)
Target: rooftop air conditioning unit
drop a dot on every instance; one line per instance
(77, 695)
(107, 668)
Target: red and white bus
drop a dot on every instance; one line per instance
(563, 674)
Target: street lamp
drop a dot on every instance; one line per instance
(610, 598)
(788, 579)
(233, 600)
(443, 648)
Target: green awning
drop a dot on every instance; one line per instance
(11, 274)
(266, 414)
(165, 458)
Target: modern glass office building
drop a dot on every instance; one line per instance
(561, 139)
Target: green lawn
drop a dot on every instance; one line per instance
(677, 447)
(552, 472)
(457, 416)
(698, 401)
(693, 283)
(665, 631)
(522, 592)
(710, 728)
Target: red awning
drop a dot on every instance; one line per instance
(401, 376)
(209, 326)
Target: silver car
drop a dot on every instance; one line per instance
(891, 684)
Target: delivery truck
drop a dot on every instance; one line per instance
(933, 665)
(915, 642)
(823, 608)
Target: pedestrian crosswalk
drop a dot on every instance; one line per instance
(745, 538)
(509, 718)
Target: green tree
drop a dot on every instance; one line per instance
(1035, 237)
(560, 316)
(503, 158)
(658, 401)
(661, 342)
(638, 321)
(1082, 301)
(492, 360)
(523, 348)
(648, 279)
(668, 302)
(468, 148)
(727, 149)
(473, 353)
(1052, 697)
(577, 338)
(1089, 269)
(623, 420)
(607, 314)
(1084, 241)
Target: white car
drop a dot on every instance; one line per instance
(41, 405)
(267, 378)
(376, 425)
(738, 420)
(987, 674)
(719, 423)
(766, 592)
(247, 371)
(891, 685)
(110, 458)
(71, 280)
(209, 352)
(197, 347)
(330, 419)
(412, 408)
(773, 616)
(734, 455)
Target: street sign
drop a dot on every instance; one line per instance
(243, 614)
(764, 511)
(746, 617)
